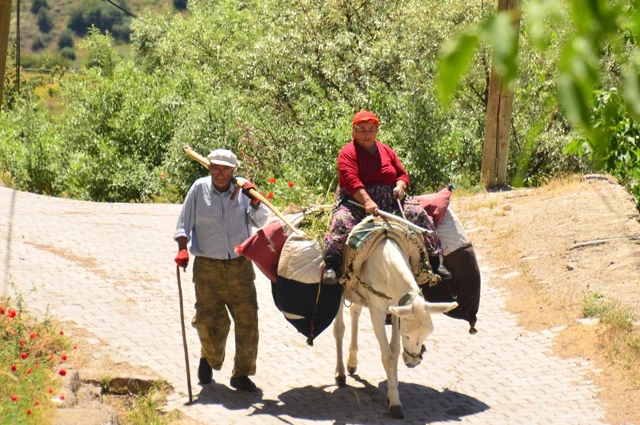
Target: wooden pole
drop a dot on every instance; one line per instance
(18, 48)
(5, 15)
(495, 153)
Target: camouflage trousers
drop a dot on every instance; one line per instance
(221, 286)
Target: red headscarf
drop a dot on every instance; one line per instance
(365, 116)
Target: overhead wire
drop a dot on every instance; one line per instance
(120, 7)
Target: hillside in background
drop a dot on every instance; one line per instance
(51, 29)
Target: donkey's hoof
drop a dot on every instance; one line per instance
(396, 412)
(351, 369)
(341, 381)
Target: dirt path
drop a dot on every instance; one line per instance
(568, 240)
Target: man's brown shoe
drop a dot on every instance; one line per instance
(243, 383)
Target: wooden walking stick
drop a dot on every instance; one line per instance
(205, 163)
(184, 335)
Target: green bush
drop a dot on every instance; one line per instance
(279, 85)
(65, 39)
(39, 43)
(31, 151)
(36, 5)
(68, 52)
(44, 20)
(180, 4)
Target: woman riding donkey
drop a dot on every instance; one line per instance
(371, 173)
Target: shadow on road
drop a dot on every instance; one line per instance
(359, 404)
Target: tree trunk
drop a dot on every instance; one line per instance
(5, 15)
(495, 153)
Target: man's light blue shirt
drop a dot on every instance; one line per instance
(213, 223)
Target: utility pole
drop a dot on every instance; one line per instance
(5, 15)
(18, 47)
(495, 153)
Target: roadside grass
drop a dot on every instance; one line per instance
(144, 409)
(621, 338)
(31, 361)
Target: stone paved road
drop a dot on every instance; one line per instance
(108, 269)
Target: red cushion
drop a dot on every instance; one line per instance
(264, 248)
(436, 204)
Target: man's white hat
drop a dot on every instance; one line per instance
(223, 157)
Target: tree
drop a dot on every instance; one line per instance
(65, 39)
(45, 20)
(600, 33)
(180, 4)
(36, 5)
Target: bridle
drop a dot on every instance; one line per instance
(406, 298)
(415, 356)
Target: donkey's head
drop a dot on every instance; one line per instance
(416, 325)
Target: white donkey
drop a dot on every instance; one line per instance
(389, 286)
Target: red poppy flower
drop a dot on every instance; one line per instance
(61, 396)
(29, 412)
(51, 357)
(269, 195)
(62, 372)
(2, 310)
(14, 397)
(272, 180)
(63, 357)
(36, 365)
(29, 371)
(23, 355)
(37, 403)
(162, 175)
(22, 343)
(290, 184)
(33, 335)
(61, 332)
(11, 313)
(13, 368)
(75, 347)
(50, 390)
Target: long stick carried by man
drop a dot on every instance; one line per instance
(205, 163)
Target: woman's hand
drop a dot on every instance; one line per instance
(370, 207)
(398, 192)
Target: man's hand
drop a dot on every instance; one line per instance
(182, 259)
(246, 185)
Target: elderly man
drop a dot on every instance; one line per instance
(215, 224)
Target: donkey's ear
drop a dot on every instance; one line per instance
(433, 308)
(400, 310)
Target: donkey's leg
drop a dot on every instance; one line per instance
(352, 361)
(338, 333)
(395, 350)
(389, 360)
